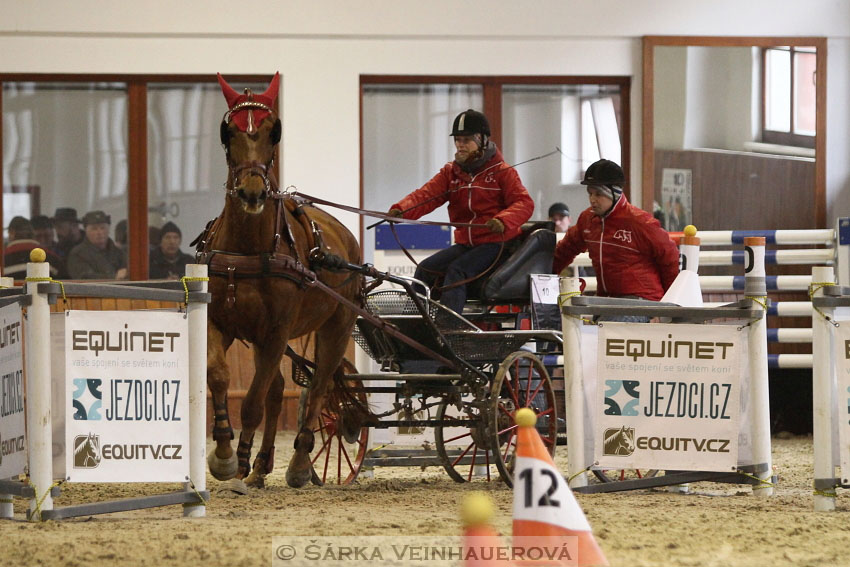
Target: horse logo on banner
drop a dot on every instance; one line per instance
(619, 442)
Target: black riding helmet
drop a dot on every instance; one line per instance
(604, 172)
(469, 123)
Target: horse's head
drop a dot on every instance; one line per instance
(250, 129)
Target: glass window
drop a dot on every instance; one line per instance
(789, 95)
(581, 121)
(186, 163)
(65, 155)
(406, 140)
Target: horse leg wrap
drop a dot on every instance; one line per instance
(243, 454)
(265, 461)
(225, 431)
(309, 433)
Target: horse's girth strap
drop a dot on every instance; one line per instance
(237, 266)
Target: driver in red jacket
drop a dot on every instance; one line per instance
(632, 255)
(480, 188)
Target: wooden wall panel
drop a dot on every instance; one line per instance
(744, 191)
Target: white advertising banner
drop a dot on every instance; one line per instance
(842, 368)
(668, 396)
(126, 393)
(13, 447)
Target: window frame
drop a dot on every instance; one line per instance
(492, 104)
(776, 136)
(137, 140)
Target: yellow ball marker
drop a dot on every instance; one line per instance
(525, 417)
(690, 230)
(37, 255)
(477, 509)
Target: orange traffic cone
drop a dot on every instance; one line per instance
(482, 546)
(546, 514)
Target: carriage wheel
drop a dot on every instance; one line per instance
(520, 382)
(335, 460)
(464, 450)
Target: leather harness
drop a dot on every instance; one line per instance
(276, 263)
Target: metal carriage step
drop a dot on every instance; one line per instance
(387, 376)
(415, 457)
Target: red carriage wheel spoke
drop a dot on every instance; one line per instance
(347, 458)
(461, 436)
(527, 380)
(322, 449)
(508, 428)
(325, 468)
(472, 465)
(338, 461)
(507, 412)
(462, 455)
(512, 392)
(536, 390)
(508, 445)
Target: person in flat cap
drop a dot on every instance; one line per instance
(97, 257)
(17, 252)
(68, 232)
(166, 260)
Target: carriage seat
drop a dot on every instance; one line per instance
(531, 253)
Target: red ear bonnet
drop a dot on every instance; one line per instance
(246, 119)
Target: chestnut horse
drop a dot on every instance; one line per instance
(264, 253)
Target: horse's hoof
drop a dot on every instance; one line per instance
(256, 480)
(234, 485)
(298, 478)
(350, 427)
(222, 469)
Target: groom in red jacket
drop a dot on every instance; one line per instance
(632, 255)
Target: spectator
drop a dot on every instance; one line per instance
(559, 213)
(97, 257)
(68, 231)
(480, 188)
(166, 260)
(121, 235)
(17, 253)
(42, 226)
(153, 237)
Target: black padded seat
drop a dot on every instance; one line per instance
(509, 282)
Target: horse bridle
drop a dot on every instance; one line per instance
(259, 169)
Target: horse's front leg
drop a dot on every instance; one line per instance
(264, 463)
(221, 461)
(267, 363)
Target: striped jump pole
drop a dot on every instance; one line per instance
(756, 290)
(574, 385)
(824, 392)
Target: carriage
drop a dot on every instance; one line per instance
(464, 376)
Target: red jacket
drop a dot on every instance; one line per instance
(495, 191)
(631, 253)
